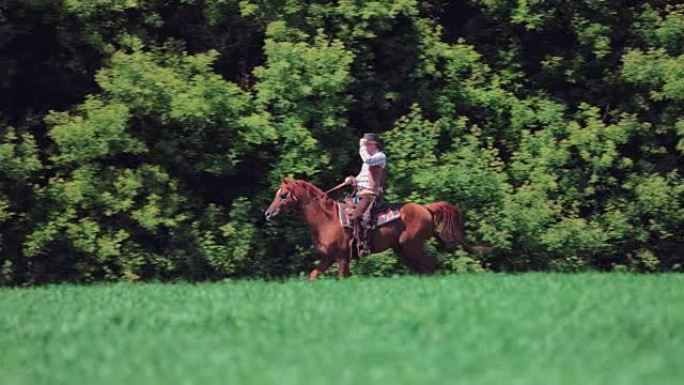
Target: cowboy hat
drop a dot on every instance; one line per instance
(371, 138)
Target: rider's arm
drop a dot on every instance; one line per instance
(372, 160)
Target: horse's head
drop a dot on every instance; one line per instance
(284, 198)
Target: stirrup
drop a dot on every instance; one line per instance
(363, 247)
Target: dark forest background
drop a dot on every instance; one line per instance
(142, 139)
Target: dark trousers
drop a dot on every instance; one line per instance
(363, 210)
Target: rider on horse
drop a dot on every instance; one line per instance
(407, 237)
(369, 186)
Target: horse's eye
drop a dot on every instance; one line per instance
(283, 196)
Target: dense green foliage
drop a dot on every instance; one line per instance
(142, 139)
(465, 329)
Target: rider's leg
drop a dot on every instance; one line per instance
(362, 217)
(364, 203)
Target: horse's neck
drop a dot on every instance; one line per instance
(317, 214)
(317, 211)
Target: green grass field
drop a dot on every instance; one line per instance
(468, 329)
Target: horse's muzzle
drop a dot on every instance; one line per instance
(271, 213)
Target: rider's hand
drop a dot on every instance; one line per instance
(350, 180)
(362, 142)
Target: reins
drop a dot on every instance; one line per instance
(325, 194)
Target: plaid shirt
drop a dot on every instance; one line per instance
(377, 159)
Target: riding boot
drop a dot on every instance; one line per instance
(364, 242)
(362, 220)
(355, 241)
(364, 247)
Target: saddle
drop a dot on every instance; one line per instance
(382, 212)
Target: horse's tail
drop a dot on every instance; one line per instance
(449, 227)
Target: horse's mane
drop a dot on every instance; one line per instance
(306, 190)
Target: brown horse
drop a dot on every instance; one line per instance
(406, 236)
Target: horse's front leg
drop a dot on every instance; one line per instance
(342, 266)
(325, 263)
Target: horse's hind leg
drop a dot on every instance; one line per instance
(411, 242)
(413, 254)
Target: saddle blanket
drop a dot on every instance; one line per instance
(381, 217)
